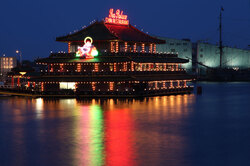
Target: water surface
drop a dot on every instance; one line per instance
(210, 129)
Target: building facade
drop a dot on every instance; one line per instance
(177, 46)
(6, 64)
(204, 56)
(208, 56)
(112, 58)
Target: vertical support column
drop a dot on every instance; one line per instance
(114, 67)
(165, 66)
(151, 48)
(154, 48)
(177, 68)
(117, 47)
(93, 84)
(111, 86)
(178, 83)
(78, 67)
(28, 84)
(42, 86)
(171, 84)
(143, 47)
(132, 66)
(185, 83)
(125, 66)
(69, 47)
(96, 67)
(112, 47)
(164, 84)
(135, 47)
(51, 68)
(61, 67)
(126, 46)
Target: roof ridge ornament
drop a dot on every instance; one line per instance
(117, 18)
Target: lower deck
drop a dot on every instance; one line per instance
(93, 94)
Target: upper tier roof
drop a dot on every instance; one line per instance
(101, 31)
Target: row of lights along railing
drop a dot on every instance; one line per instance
(114, 47)
(140, 67)
(111, 86)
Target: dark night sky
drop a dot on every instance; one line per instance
(32, 25)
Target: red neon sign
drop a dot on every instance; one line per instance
(117, 18)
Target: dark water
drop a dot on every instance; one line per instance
(208, 130)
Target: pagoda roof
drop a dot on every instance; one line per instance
(101, 31)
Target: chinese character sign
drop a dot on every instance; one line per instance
(117, 18)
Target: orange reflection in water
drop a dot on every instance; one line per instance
(103, 137)
(105, 132)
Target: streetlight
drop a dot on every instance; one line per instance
(20, 55)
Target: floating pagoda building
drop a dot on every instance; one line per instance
(111, 58)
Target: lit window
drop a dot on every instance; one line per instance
(67, 85)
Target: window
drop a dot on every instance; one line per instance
(201, 49)
(178, 44)
(172, 50)
(201, 55)
(67, 85)
(185, 50)
(171, 44)
(184, 44)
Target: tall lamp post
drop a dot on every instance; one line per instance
(20, 56)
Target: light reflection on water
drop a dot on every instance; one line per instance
(94, 132)
(190, 130)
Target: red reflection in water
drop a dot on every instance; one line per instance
(119, 148)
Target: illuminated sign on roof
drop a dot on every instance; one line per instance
(117, 18)
(87, 50)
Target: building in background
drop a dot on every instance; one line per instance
(208, 56)
(204, 56)
(177, 46)
(6, 64)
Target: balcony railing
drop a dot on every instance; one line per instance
(180, 71)
(71, 55)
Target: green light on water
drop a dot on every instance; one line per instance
(96, 135)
